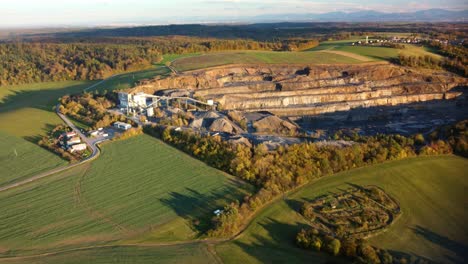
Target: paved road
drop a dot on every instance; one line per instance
(92, 143)
(98, 83)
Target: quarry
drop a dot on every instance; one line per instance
(263, 102)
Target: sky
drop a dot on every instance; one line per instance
(37, 13)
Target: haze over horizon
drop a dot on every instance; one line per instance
(54, 13)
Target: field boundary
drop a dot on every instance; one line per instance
(347, 54)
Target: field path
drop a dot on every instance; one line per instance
(81, 201)
(348, 54)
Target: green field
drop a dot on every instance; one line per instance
(376, 53)
(432, 194)
(345, 54)
(139, 190)
(190, 253)
(431, 191)
(26, 113)
(128, 80)
(258, 57)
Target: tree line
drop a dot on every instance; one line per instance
(286, 168)
(91, 109)
(455, 58)
(39, 62)
(30, 62)
(356, 249)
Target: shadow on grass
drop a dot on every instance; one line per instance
(131, 79)
(460, 249)
(198, 207)
(44, 99)
(278, 245)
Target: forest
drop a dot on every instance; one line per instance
(267, 31)
(455, 58)
(40, 61)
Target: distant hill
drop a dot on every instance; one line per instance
(430, 15)
(266, 27)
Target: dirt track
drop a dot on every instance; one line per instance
(348, 54)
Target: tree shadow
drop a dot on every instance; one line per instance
(278, 245)
(35, 138)
(409, 257)
(460, 249)
(198, 207)
(43, 99)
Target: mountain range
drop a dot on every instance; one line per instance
(430, 15)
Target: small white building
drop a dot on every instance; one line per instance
(218, 212)
(74, 140)
(122, 125)
(77, 147)
(94, 133)
(150, 112)
(70, 134)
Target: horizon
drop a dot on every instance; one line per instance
(101, 13)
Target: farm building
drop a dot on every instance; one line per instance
(74, 140)
(70, 134)
(122, 125)
(77, 147)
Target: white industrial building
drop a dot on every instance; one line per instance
(122, 125)
(128, 100)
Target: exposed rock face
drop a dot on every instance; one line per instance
(293, 90)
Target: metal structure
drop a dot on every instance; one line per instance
(139, 102)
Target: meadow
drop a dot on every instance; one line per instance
(431, 191)
(374, 53)
(197, 253)
(258, 57)
(129, 80)
(26, 113)
(138, 191)
(328, 52)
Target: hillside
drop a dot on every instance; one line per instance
(429, 189)
(139, 190)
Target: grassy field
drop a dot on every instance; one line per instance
(345, 53)
(192, 253)
(432, 193)
(26, 114)
(139, 190)
(253, 57)
(375, 53)
(21, 159)
(128, 80)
